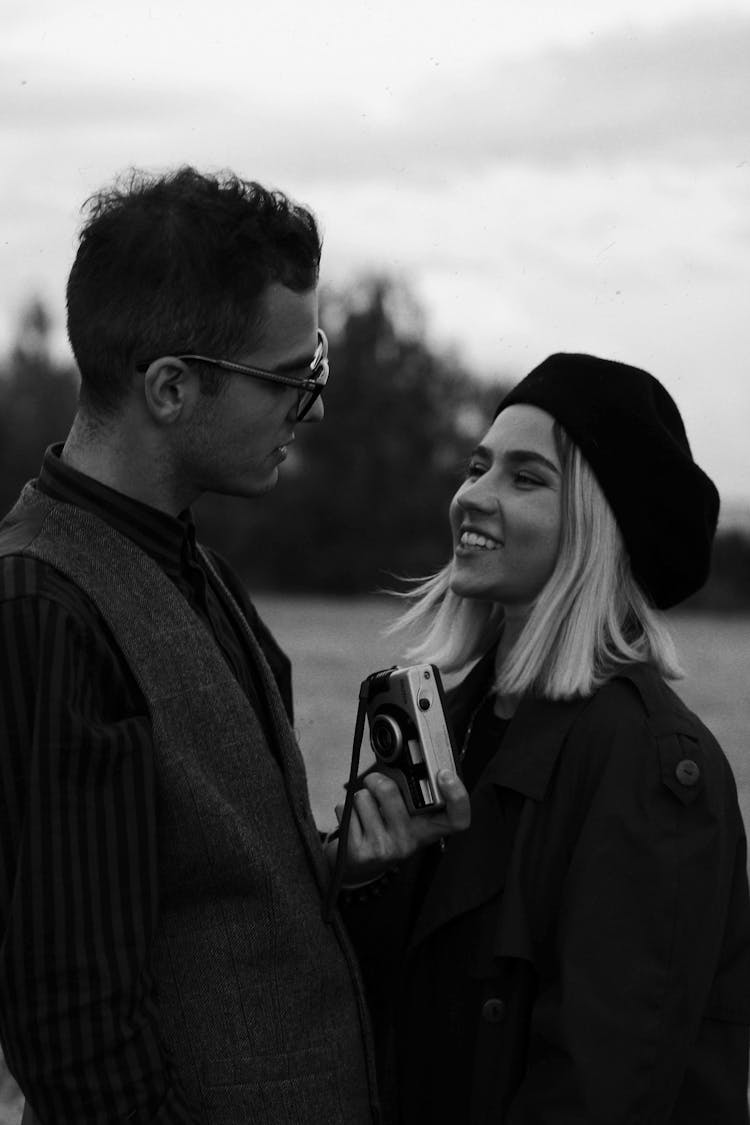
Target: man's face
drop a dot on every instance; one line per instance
(238, 439)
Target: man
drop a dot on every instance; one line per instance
(164, 954)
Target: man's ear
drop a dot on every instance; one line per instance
(170, 388)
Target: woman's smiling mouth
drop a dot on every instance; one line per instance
(472, 540)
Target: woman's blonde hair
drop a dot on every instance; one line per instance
(590, 618)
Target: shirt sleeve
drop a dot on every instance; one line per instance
(79, 1020)
(628, 1025)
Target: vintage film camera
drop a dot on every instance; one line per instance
(408, 732)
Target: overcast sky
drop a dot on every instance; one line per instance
(547, 176)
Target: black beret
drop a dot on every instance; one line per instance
(628, 428)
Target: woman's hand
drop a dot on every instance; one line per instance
(382, 832)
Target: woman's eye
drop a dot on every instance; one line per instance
(526, 480)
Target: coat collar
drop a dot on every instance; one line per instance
(532, 746)
(533, 740)
(537, 732)
(475, 864)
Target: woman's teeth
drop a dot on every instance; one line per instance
(471, 539)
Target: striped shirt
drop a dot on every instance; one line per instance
(79, 1020)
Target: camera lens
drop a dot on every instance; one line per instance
(386, 738)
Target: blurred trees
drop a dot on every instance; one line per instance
(365, 494)
(728, 588)
(361, 498)
(37, 402)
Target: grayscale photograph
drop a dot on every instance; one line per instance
(374, 562)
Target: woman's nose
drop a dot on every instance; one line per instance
(479, 496)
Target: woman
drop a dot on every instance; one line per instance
(582, 953)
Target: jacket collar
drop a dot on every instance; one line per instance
(537, 731)
(475, 864)
(169, 540)
(532, 745)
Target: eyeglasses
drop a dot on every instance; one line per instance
(309, 385)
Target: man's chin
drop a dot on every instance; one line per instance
(250, 489)
(260, 488)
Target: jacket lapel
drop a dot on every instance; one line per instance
(475, 864)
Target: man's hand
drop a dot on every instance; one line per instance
(382, 832)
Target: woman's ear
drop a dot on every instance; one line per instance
(170, 389)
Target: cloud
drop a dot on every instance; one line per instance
(589, 194)
(66, 99)
(679, 93)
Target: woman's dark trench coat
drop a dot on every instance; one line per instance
(599, 903)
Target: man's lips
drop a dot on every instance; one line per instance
(283, 447)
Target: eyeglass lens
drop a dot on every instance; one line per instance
(306, 401)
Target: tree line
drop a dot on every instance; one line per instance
(362, 500)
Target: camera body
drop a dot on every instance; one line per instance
(409, 735)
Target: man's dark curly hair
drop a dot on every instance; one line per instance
(176, 263)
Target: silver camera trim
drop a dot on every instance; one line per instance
(415, 691)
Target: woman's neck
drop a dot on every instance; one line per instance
(513, 623)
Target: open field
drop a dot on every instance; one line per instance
(334, 644)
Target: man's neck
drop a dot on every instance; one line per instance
(120, 457)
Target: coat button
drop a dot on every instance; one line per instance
(687, 772)
(493, 1010)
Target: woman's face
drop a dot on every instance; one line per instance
(506, 516)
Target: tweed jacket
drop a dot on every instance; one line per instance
(598, 909)
(260, 1003)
